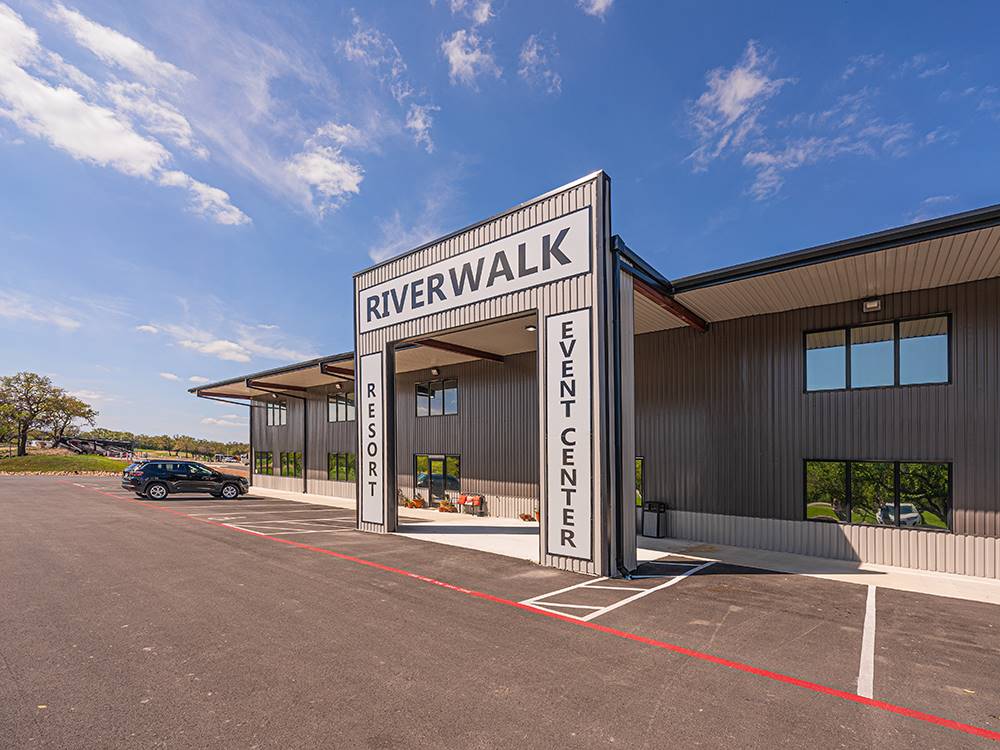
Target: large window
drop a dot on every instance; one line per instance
(903, 352)
(262, 462)
(342, 467)
(437, 398)
(291, 464)
(277, 415)
(640, 481)
(437, 477)
(340, 407)
(879, 493)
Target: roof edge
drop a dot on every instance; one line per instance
(979, 218)
(342, 357)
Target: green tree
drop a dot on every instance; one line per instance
(65, 411)
(29, 400)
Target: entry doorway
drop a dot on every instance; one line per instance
(438, 478)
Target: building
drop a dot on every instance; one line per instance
(839, 401)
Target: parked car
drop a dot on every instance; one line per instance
(908, 515)
(157, 479)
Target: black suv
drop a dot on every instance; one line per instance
(157, 479)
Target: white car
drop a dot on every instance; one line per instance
(908, 515)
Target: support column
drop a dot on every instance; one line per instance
(375, 393)
(625, 497)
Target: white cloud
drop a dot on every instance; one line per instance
(932, 207)
(419, 120)
(330, 175)
(157, 116)
(862, 62)
(146, 328)
(535, 66)
(87, 395)
(91, 132)
(221, 348)
(728, 112)
(229, 420)
(16, 306)
(376, 50)
(397, 235)
(468, 57)
(116, 49)
(922, 66)
(198, 379)
(211, 202)
(245, 343)
(477, 11)
(169, 376)
(598, 8)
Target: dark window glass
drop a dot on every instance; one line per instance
(923, 351)
(352, 461)
(826, 491)
(349, 400)
(924, 491)
(423, 400)
(873, 492)
(453, 474)
(331, 466)
(451, 397)
(872, 358)
(640, 487)
(826, 360)
(437, 398)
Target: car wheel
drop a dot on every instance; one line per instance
(230, 491)
(156, 491)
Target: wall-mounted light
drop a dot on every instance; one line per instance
(871, 305)
(531, 328)
(435, 371)
(340, 386)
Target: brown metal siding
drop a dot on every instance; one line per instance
(326, 437)
(725, 424)
(495, 431)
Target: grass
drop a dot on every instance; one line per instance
(61, 464)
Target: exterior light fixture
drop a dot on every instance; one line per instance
(871, 305)
(340, 386)
(435, 371)
(531, 328)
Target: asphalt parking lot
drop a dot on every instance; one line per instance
(198, 622)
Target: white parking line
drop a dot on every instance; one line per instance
(866, 670)
(276, 510)
(539, 602)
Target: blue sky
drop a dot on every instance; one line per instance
(187, 188)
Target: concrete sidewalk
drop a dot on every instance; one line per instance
(519, 539)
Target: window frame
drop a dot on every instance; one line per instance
(260, 462)
(341, 460)
(340, 401)
(433, 386)
(895, 355)
(444, 457)
(290, 468)
(640, 486)
(276, 414)
(848, 494)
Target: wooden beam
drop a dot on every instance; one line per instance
(341, 372)
(671, 305)
(261, 385)
(459, 349)
(216, 394)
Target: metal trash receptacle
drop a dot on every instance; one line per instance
(654, 519)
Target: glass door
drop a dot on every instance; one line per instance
(437, 481)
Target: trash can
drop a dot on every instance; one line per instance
(654, 519)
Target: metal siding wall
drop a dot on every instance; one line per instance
(495, 431)
(725, 424)
(286, 438)
(569, 294)
(327, 437)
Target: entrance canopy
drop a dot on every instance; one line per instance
(296, 378)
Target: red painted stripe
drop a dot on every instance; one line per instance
(701, 656)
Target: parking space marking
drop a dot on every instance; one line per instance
(319, 509)
(542, 601)
(702, 656)
(866, 670)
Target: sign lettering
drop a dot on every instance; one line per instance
(371, 454)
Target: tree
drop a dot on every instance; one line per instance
(64, 411)
(29, 399)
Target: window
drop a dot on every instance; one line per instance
(437, 398)
(914, 494)
(640, 486)
(277, 415)
(923, 351)
(341, 467)
(291, 464)
(904, 352)
(340, 408)
(262, 462)
(437, 477)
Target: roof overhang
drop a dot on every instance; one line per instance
(289, 380)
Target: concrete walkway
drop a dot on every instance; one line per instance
(519, 539)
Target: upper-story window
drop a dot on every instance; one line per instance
(277, 415)
(902, 352)
(437, 398)
(340, 407)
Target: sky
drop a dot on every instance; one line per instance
(187, 188)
